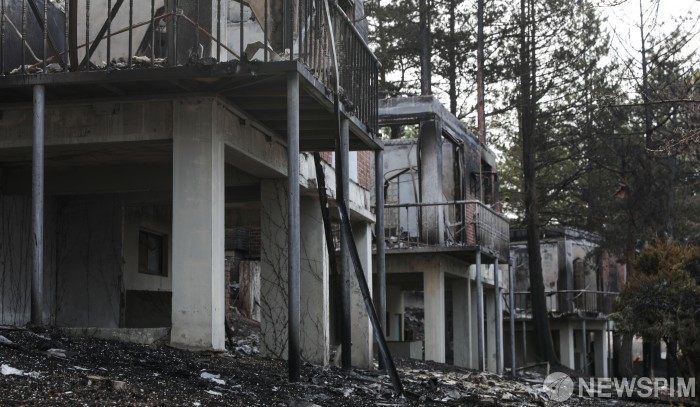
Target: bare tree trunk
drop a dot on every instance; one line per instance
(544, 344)
(452, 56)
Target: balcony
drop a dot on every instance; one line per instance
(460, 226)
(567, 302)
(240, 51)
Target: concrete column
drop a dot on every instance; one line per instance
(430, 161)
(361, 330)
(490, 322)
(198, 227)
(600, 353)
(460, 322)
(434, 315)
(315, 314)
(566, 346)
(37, 315)
(395, 309)
(584, 348)
(273, 268)
(473, 326)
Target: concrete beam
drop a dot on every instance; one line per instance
(198, 227)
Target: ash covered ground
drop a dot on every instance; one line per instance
(45, 367)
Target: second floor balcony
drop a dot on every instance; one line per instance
(448, 226)
(239, 50)
(584, 303)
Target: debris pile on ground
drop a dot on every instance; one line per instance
(46, 367)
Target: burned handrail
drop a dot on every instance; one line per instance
(566, 301)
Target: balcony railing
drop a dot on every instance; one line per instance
(45, 37)
(448, 224)
(568, 301)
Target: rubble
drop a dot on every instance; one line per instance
(100, 372)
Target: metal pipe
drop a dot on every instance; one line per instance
(524, 343)
(241, 33)
(218, 30)
(153, 31)
(109, 33)
(66, 33)
(24, 32)
(584, 348)
(511, 298)
(45, 31)
(346, 231)
(479, 313)
(87, 35)
(2, 38)
(265, 31)
(343, 188)
(379, 233)
(294, 231)
(38, 207)
(131, 32)
(499, 317)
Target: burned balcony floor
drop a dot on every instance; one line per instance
(243, 52)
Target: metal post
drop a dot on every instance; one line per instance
(584, 348)
(379, 233)
(294, 231)
(343, 188)
(499, 317)
(524, 342)
(38, 208)
(479, 313)
(511, 298)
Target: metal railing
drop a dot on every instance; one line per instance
(569, 301)
(446, 224)
(43, 37)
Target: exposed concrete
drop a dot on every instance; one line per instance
(94, 123)
(143, 336)
(490, 332)
(273, 268)
(600, 353)
(395, 311)
(430, 144)
(315, 308)
(434, 315)
(361, 331)
(566, 346)
(198, 226)
(153, 219)
(461, 299)
(249, 291)
(473, 326)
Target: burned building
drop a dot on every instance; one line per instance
(444, 235)
(581, 282)
(134, 135)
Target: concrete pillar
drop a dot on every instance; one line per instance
(473, 326)
(361, 330)
(460, 322)
(600, 353)
(395, 309)
(490, 322)
(434, 315)
(430, 161)
(315, 314)
(198, 227)
(566, 346)
(273, 268)
(584, 348)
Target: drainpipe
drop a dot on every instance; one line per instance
(38, 207)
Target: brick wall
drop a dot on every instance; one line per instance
(327, 156)
(364, 169)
